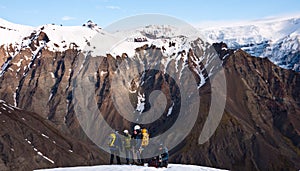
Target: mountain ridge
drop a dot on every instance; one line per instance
(29, 141)
(276, 39)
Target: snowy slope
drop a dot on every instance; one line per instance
(171, 167)
(254, 32)
(61, 37)
(16, 38)
(174, 45)
(12, 33)
(277, 38)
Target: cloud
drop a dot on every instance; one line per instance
(233, 23)
(113, 7)
(67, 18)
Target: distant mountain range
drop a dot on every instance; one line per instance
(277, 39)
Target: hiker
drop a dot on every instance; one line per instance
(162, 159)
(127, 145)
(136, 144)
(144, 143)
(145, 138)
(115, 145)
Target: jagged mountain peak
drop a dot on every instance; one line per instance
(90, 24)
(159, 31)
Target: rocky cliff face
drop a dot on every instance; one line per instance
(259, 129)
(29, 141)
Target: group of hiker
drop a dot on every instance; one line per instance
(134, 146)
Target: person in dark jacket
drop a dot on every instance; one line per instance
(115, 145)
(136, 144)
(163, 157)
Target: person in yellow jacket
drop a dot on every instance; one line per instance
(145, 138)
(144, 143)
(127, 145)
(115, 145)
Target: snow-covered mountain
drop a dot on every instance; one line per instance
(171, 167)
(174, 42)
(276, 38)
(41, 64)
(60, 37)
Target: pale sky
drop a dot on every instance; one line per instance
(105, 12)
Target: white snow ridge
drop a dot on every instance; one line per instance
(277, 39)
(171, 167)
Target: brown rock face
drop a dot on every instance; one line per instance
(28, 141)
(260, 126)
(259, 129)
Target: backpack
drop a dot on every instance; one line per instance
(153, 162)
(145, 139)
(112, 139)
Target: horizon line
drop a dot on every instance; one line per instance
(201, 24)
